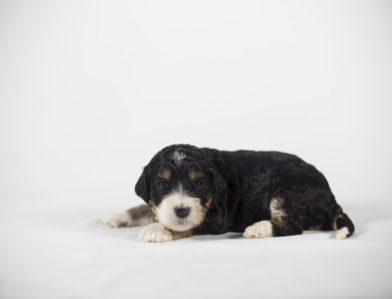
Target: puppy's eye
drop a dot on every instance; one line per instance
(161, 183)
(198, 183)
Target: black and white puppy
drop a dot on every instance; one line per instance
(190, 190)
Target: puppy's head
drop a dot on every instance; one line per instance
(180, 184)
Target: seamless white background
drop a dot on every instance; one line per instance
(90, 90)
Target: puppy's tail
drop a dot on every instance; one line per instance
(341, 223)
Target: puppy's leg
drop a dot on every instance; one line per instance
(157, 233)
(281, 223)
(140, 215)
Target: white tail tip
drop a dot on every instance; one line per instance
(342, 233)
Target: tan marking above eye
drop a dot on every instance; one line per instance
(164, 174)
(193, 174)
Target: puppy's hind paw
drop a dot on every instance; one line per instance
(262, 229)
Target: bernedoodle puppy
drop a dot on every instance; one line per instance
(191, 191)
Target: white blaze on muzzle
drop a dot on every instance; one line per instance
(166, 211)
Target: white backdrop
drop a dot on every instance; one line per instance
(90, 90)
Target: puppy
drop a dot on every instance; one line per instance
(191, 191)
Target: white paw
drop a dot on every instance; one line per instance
(342, 233)
(262, 229)
(117, 220)
(156, 233)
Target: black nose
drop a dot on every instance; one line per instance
(182, 212)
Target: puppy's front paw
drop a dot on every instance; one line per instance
(155, 233)
(117, 220)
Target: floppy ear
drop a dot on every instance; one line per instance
(218, 181)
(142, 186)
